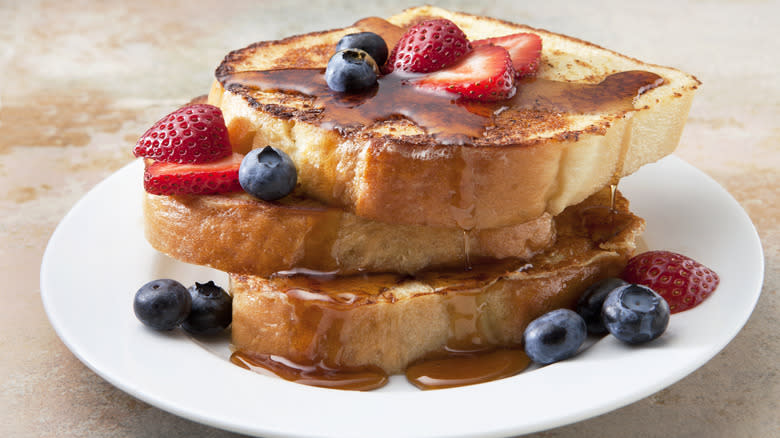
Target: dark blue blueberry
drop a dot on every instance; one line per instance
(368, 42)
(635, 314)
(162, 304)
(590, 303)
(554, 336)
(211, 309)
(350, 70)
(267, 173)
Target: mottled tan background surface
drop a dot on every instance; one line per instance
(80, 80)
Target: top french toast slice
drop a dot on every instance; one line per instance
(528, 160)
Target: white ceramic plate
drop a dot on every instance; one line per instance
(97, 258)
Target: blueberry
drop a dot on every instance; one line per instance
(554, 336)
(351, 70)
(590, 303)
(267, 173)
(211, 309)
(162, 304)
(369, 42)
(635, 314)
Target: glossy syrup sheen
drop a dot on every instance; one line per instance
(444, 116)
(323, 304)
(469, 368)
(445, 370)
(313, 373)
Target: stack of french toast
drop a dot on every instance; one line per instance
(401, 243)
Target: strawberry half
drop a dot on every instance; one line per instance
(525, 49)
(191, 134)
(221, 176)
(682, 281)
(428, 46)
(484, 74)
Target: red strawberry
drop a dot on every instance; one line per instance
(161, 178)
(484, 74)
(191, 134)
(428, 46)
(682, 281)
(525, 49)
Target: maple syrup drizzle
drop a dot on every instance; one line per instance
(615, 93)
(314, 374)
(467, 249)
(322, 307)
(612, 196)
(461, 369)
(448, 119)
(392, 98)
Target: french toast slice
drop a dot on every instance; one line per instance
(241, 234)
(390, 320)
(531, 160)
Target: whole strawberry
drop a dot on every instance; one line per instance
(191, 134)
(428, 46)
(680, 280)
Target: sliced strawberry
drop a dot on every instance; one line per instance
(484, 74)
(525, 49)
(428, 46)
(191, 134)
(682, 281)
(221, 176)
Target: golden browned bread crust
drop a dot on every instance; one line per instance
(389, 320)
(393, 171)
(240, 234)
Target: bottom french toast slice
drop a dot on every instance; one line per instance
(391, 320)
(241, 234)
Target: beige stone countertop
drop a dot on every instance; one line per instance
(81, 80)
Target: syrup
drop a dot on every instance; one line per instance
(449, 370)
(392, 98)
(322, 310)
(604, 223)
(313, 374)
(445, 117)
(612, 195)
(621, 160)
(467, 250)
(615, 93)
(461, 369)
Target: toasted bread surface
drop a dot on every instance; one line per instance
(389, 321)
(240, 234)
(528, 162)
